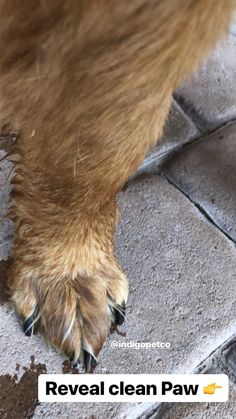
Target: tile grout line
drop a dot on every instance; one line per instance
(199, 207)
(154, 163)
(192, 115)
(185, 114)
(202, 134)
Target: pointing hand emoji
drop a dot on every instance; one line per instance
(210, 389)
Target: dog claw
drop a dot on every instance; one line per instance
(74, 363)
(29, 326)
(120, 314)
(89, 361)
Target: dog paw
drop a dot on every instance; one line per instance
(73, 311)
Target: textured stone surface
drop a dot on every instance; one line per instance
(222, 361)
(209, 96)
(233, 29)
(177, 294)
(202, 411)
(206, 172)
(5, 225)
(233, 26)
(179, 129)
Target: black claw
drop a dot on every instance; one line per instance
(71, 358)
(28, 331)
(76, 364)
(89, 361)
(120, 314)
(30, 326)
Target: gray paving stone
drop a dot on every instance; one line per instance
(5, 224)
(233, 26)
(233, 29)
(202, 411)
(179, 129)
(225, 410)
(206, 172)
(221, 361)
(228, 356)
(177, 294)
(209, 95)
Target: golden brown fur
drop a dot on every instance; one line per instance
(88, 84)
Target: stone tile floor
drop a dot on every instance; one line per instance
(176, 241)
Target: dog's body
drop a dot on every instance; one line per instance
(88, 84)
